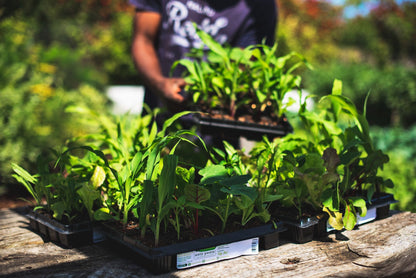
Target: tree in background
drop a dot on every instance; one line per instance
(373, 53)
(51, 59)
(88, 40)
(308, 27)
(386, 35)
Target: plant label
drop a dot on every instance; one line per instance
(218, 253)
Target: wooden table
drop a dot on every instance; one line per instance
(384, 248)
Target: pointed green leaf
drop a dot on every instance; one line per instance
(211, 43)
(167, 178)
(171, 120)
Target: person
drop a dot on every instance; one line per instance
(164, 33)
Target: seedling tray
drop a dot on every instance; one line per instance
(315, 227)
(164, 259)
(300, 231)
(251, 131)
(382, 204)
(378, 208)
(67, 236)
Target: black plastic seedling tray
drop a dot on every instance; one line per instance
(251, 131)
(382, 204)
(164, 259)
(378, 208)
(67, 236)
(300, 231)
(307, 229)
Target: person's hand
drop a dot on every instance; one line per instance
(169, 91)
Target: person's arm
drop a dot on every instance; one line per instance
(146, 27)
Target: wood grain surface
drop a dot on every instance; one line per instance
(384, 248)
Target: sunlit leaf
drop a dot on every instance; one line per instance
(335, 219)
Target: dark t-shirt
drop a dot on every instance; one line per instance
(235, 22)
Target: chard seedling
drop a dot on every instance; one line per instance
(195, 195)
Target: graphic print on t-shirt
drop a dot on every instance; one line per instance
(179, 21)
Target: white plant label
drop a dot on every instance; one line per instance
(370, 216)
(218, 253)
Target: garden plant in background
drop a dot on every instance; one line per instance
(34, 99)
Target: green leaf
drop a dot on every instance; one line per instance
(326, 199)
(152, 162)
(58, 209)
(26, 179)
(135, 165)
(337, 87)
(335, 219)
(370, 193)
(264, 216)
(330, 199)
(359, 202)
(166, 210)
(102, 214)
(350, 217)
(185, 175)
(329, 178)
(313, 163)
(195, 205)
(236, 186)
(153, 133)
(217, 81)
(188, 64)
(349, 157)
(196, 193)
(171, 120)
(271, 197)
(23, 173)
(98, 177)
(388, 183)
(167, 178)
(243, 202)
(88, 195)
(195, 96)
(211, 43)
(241, 180)
(375, 160)
(213, 173)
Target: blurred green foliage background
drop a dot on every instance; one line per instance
(58, 53)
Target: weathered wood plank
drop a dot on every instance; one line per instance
(385, 248)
